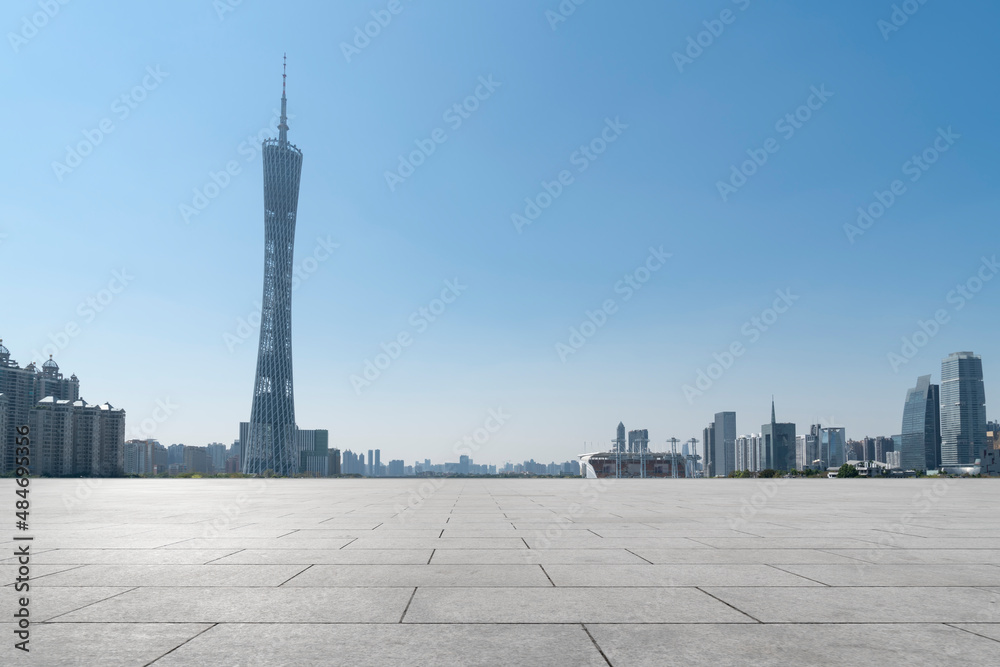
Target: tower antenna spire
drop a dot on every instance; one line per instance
(283, 125)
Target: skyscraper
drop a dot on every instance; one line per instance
(921, 427)
(724, 442)
(963, 409)
(833, 445)
(638, 441)
(620, 438)
(271, 438)
(777, 444)
(708, 446)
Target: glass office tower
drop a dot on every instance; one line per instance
(963, 409)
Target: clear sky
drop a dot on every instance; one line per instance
(661, 131)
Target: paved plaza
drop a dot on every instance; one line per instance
(508, 572)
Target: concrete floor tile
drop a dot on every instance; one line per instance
(568, 605)
(860, 605)
(783, 645)
(420, 575)
(173, 575)
(248, 605)
(389, 646)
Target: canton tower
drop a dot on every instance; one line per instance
(271, 437)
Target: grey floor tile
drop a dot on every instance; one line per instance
(87, 644)
(737, 556)
(329, 556)
(389, 646)
(900, 574)
(541, 556)
(130, 556)
(783, 645)
(678, 574)
(248, 605)
(421, 575)
(174, 575)
(859, 605)
(568, 605)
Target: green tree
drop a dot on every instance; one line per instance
(847, 470)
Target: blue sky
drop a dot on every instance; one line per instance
(208, 85)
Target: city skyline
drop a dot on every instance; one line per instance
(638, 265)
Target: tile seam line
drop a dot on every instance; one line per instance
(290, 578)
(90, 604)
(755, 620)
(181, 644)
(802, 576)
(407, 607)
(226, 556)
(954, 625)
(594, 641)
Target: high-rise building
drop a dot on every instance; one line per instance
(396, 468)
(52, 437)
(196, 459)
(892, 460)
(619, 444)
(883, 446)
(377, 467)
(724, 441)
(216, 452)
(708, 446)
(19, 385)
(271, 439)
(3, 424)
(75, 438)
(333, 467)
(777, 444)
(175, 454)
(371, 463)
(833, 445)
(638, 441)
(921, 427)
(963, 409)
(749, 451)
